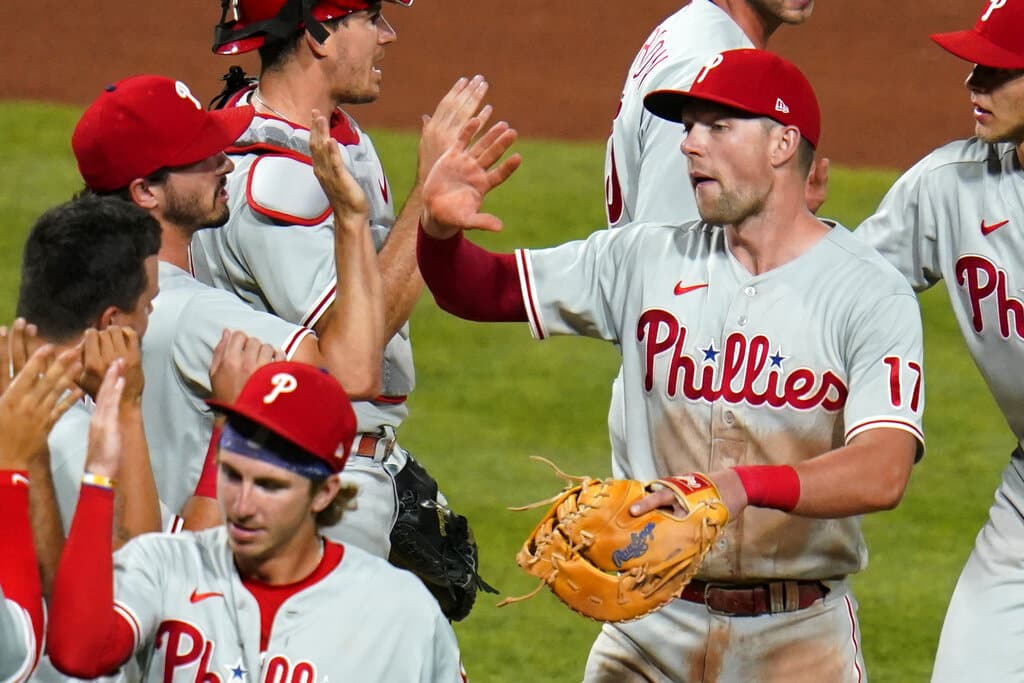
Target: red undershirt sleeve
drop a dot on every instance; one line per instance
(19, 573)
(86, 637)
(471, 282)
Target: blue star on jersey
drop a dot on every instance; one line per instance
(710, 353)
(237, 671)
(777, 359)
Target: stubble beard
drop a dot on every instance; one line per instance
(189, 212)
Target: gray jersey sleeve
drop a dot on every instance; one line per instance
(17, 649)
(210, 312)
(904, 229)
(568, 288)
(140, 582)
(885, 368)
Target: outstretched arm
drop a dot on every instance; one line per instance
(29, 406)
(867, 475)
(86, 637)
(351, 334)
(468, 281)
(397, 258)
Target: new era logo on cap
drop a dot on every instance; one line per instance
(302, 404)
(997, 39)
(752, 81)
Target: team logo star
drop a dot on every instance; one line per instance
(237, 671)
(710, 353)
(777, 359)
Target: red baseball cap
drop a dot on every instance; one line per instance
(303, 405)
(753, 81)
(145, 123)
(253, 20)
(997, 39)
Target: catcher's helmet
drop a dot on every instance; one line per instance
(246, 25)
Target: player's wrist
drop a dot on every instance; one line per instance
(97, 480)
(435, 231)
(770, 486)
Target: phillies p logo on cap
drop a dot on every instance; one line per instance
(283, 384)
(300, 403)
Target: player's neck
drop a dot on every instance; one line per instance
(174, 245)
(757, 28)
(290, 98)
(292, 562)
(773, 238)
(1020, 153)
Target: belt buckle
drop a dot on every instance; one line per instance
(713, 610)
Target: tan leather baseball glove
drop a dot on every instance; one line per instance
(607, 564)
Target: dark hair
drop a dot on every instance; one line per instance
(82, 257)
(276, 51)
(157, 177)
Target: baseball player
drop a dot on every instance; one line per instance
(642, 162)
(265, 597)
(745, 354)
(956, 216)
(43, 388)
(148, 140)
(88, 278)
(274, 250)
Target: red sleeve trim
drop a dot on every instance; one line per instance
(470, 282)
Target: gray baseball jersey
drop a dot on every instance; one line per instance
(957, 216)
(68, 442)
(277, 250)
(724, 368)
(186, 324)
(17, 641)
(365, 621)
(646, 178)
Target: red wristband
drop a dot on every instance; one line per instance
(770, 486)
(207, 486)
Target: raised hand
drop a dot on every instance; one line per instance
(455, 189)
(343, 192)
(32, 403)
(105, 436)
(17, 343)
(235, 358)
(100, 348)
(456, 108)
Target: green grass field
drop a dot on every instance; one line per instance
(489, 397)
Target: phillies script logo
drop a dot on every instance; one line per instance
(744, 363)
(185, 646)
(983, 281)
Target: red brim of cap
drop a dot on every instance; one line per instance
(222, 127)
(669, 105)
(971, 46)
(280, 430)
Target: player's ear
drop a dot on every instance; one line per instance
(108, 317)
(785, 143)
(324, 493)
(315, 46)
(142, 194)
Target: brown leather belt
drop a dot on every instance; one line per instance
(752, 600)
(367, 445)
